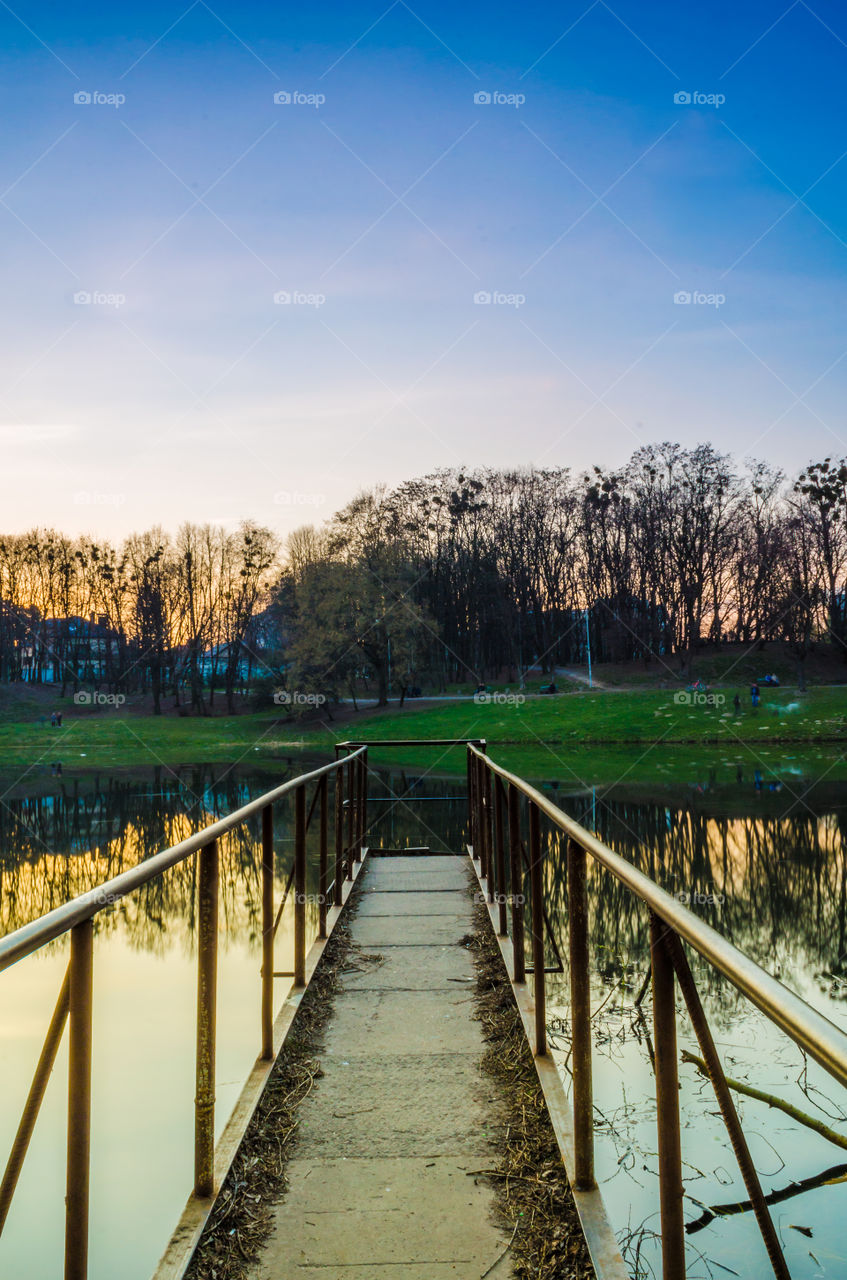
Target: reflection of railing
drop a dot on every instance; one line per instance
(494, 792)
(75, 998)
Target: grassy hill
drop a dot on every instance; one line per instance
(577, 720)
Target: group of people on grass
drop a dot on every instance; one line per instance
(755, 695)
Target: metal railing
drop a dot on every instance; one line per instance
(495, 800)
(74, 1005)
(500, 806)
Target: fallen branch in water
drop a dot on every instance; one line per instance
(838, 1173)
(839, 1139)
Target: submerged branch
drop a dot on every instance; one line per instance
(838, 1173)
(831, 1135)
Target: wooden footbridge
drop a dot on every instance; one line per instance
(378, 1183)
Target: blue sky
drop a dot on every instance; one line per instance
(382, 206)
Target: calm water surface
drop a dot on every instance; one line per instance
(761, 858)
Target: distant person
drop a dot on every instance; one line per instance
(58, 768)
(736, 702)
(757, 779)
(59, 719)
(53, 720)
(754, 696)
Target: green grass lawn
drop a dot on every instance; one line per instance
(623, 720)
(111, 738)
(616, 717)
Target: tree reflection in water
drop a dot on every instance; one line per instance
(766, 869)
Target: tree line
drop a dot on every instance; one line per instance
(154, 614)
(466, 574)
(453, 576)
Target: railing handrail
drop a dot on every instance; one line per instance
(24, 941)
(813, 1031)
(412, 742)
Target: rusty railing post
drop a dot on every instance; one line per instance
(474, 816)
(339, 835)
(473, 802)
(364, 797)
(300, 886)
(537, 915)
(360, 792)
(730, 1116)
(79, 1101)
(35, 1097)
(267, 932)
(487, 837)
(469, 759)
(351, 804)
(583, 1097)
(480, 817)
(207, 977)
(323, 877)
(359, 808)
(479, 791)
(516, 878)
(500, 856)
(667, 1105)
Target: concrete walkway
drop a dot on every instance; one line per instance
(379, 1186)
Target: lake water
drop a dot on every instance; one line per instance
(761, 857)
